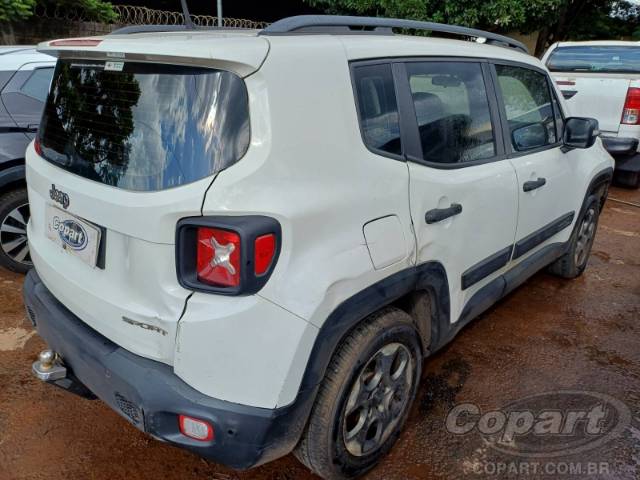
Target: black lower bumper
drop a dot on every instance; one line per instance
(627, 171)
(150, 396)
(618, 146)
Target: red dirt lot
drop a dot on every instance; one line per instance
(549, 335)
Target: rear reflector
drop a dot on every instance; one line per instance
(631, 112)
(196, 429)
(75, 42)
(264, 251)
(218, 257)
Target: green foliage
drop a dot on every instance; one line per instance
(487, 14)
(96, 10)
(621, 21)
(16, 9)
(556, 20)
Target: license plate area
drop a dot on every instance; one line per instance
(76, 236)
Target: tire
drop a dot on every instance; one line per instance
(14, 214)
(573, 263)
(348, 433)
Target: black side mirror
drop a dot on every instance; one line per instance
(580, 132)
(529, 137)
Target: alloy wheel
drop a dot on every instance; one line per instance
(13, 235)
(586, 234)
(378, 399)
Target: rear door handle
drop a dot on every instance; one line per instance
(438, 214)
(533, 184)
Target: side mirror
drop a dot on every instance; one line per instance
(580, 132)
(529, 137)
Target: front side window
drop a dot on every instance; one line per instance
(378, 108)
(527, 101)
(452, 111)
(144, 127)
(37, 85)
(595, 58)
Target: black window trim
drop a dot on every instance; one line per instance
(511, 153)
(403, 140)
(409, 134)
(407, 110)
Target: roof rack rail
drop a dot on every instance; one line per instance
(339, 24)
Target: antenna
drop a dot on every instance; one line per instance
(187, 16)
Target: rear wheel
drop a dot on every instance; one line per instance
(574, 262)
(365, 397)
(14, 215)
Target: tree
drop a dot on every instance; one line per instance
(16, 10)
(554, 19)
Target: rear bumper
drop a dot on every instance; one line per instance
(620, 145)
(149, 395)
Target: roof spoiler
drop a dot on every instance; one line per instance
(336, 24)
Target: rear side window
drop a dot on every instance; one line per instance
(597, 58)
(37, 85)
(378, 108)
(144, 127)
(452, 111)
(527, 101)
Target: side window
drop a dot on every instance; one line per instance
(37, 85)
(378, 108)
(527, 101)
(452, 111)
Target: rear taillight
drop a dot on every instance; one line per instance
(37, 146)
(218, 260)
(265, 250)
(227, 255)
(631, 112)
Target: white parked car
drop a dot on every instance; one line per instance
(601, 79)
(246, 243)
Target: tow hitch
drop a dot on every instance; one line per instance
(50, 369)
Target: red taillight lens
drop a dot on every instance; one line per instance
(631, 112)
(264, 251)
(218, 257)
(37, 146)
(195, 428)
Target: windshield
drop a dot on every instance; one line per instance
(605, 59)
(144, 127)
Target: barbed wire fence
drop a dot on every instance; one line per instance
(57, 22)
(135, 15)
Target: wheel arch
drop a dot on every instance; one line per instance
(12, 176)
(412, 290)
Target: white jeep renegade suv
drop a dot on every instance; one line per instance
(246, 242)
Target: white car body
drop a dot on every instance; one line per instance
(351, 218)
(598, 94)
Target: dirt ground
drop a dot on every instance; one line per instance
(549, 335)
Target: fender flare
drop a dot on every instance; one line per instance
(429, 276)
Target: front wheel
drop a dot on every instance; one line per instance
(573, 263)
(14, 215)
(365, 397)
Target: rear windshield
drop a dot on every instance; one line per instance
(595, 59)
(144, 127)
